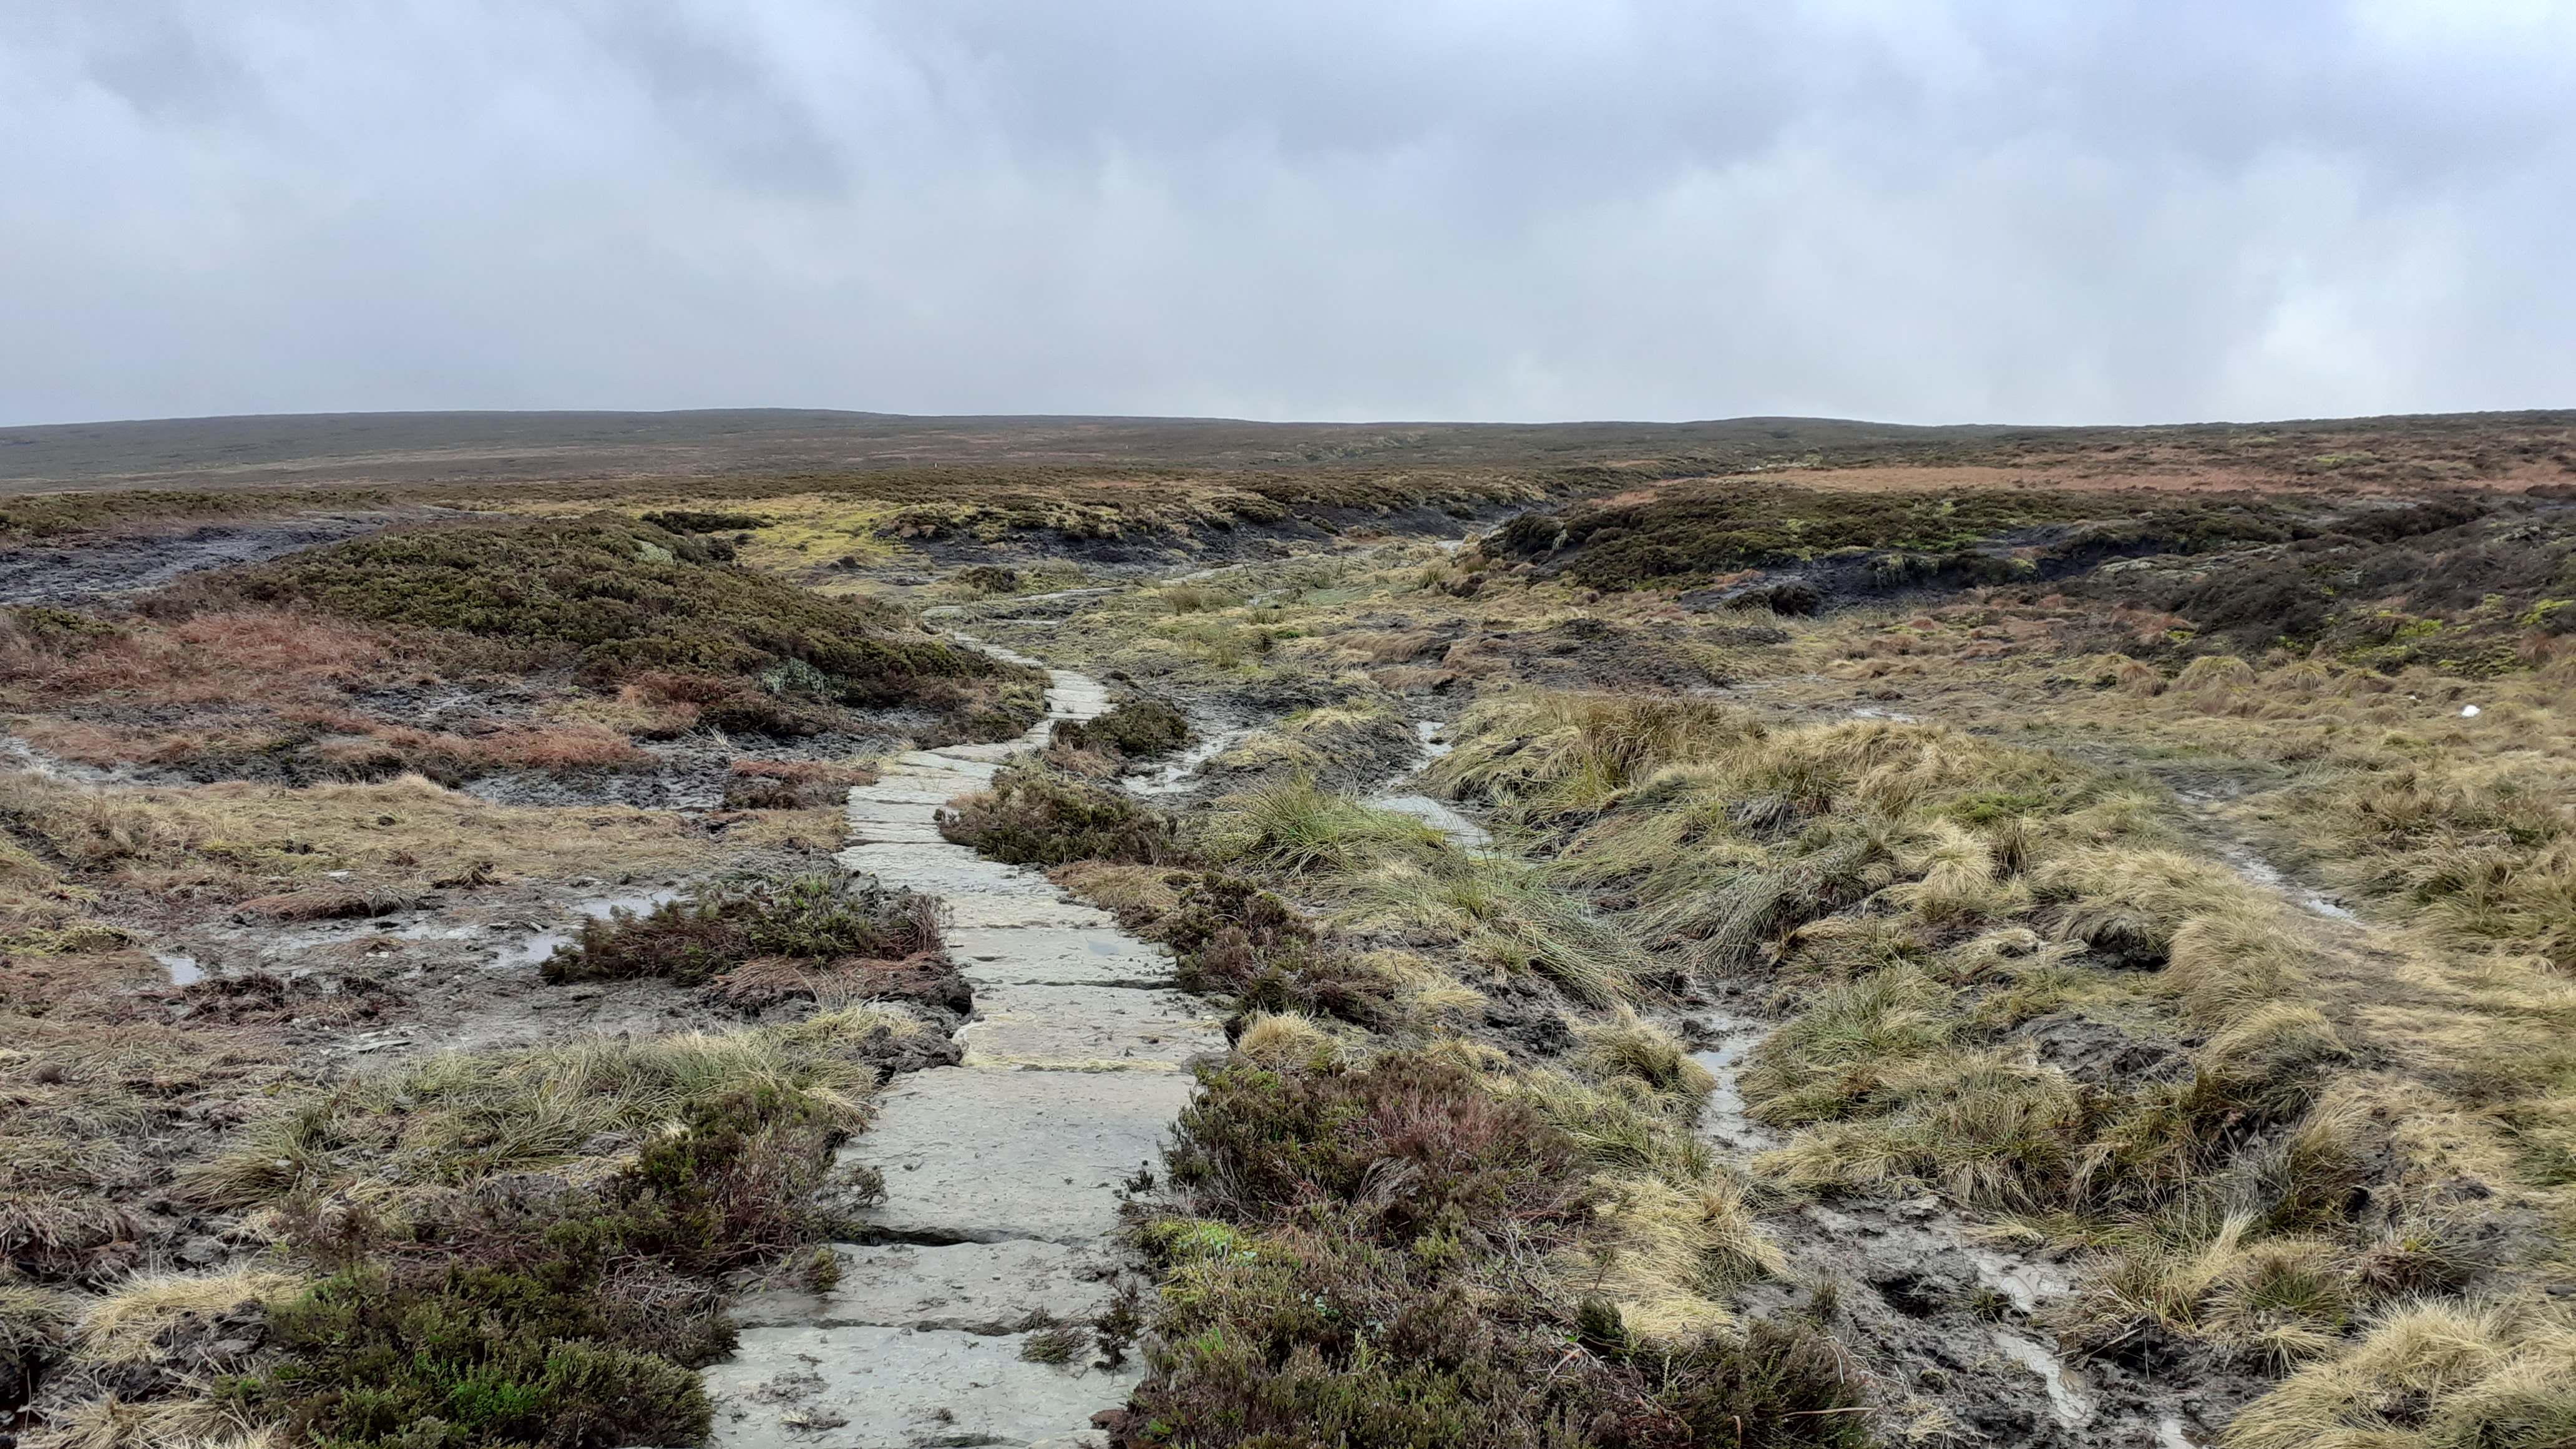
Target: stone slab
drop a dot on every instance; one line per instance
(967, 1287)
(982, 912)
(919, 764)
(913, 793)
(1055, 956)
(1086, 1028)
(880, 832)
(943, 869)
(973, 1155)
(888, 1388)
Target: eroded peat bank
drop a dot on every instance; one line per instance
(1748, 937)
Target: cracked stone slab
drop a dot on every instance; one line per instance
(943, 869)
(974, 1155)
(921, 794)
(1086, 1028)
(982, 912)
(898, 1388)
(986, 1288)
(1054, 956)
(882, 833)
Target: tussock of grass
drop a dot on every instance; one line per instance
(1546, 755)
(2430, 1376)
(121, 1325)
(1295, 827)
(460, 1118)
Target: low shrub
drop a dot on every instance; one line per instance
(1034, 815)
(1358, 1270)
(618, 599)
(683, 520)
(1140, 729)
(1408, 1142)
(791, 784)
(1242, 942)
(532, 1314)
(824, 917)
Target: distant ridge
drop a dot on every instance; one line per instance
(327, 449)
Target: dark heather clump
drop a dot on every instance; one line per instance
(1034, 815)
(1140, 729)
(627, 602)
(825, 918)
(1356, 1272)
(530, 1311)
(1236, 940)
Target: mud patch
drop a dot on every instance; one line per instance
(91, 568)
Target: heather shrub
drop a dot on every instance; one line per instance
(828, 916)
(1034, 815)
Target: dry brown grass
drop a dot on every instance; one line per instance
(251, 654)
(233, 837)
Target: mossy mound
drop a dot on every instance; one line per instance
(619, 599)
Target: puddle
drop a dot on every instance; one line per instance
(183, 968)
(538, 947)
(2074, 1407)
(1459, 829)
(2027, 1284)
(1428, 731)
(1180, 772)
(1722, 1120)
(2263, 873)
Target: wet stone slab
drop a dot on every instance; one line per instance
(1048, 956)
(1085, 1028)
(942, 869)
(1001, 1185)
(981, 912)
(988, 1288)
(896, 1388)
(978, 1155)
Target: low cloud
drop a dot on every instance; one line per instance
(1501, 210)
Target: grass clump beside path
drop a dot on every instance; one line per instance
(524, 1247)
(2008, 979)
(623, 601)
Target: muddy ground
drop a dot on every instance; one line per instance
(81, 568)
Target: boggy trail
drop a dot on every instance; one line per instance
(1001, 1174)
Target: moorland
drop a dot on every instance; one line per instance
(1776, 932)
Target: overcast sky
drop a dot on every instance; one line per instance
(2089, 210)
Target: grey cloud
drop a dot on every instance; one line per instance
(1507, 209)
